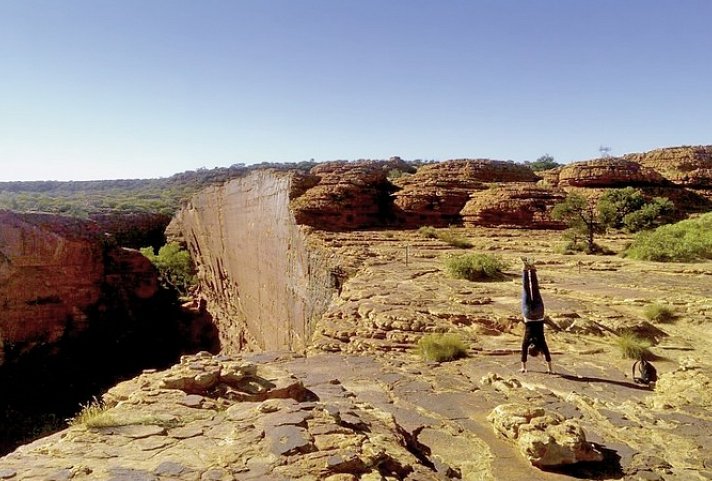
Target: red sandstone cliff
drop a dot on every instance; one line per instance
(55, 272)
(436, 193)
(262, 281)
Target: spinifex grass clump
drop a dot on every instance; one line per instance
(475, 267)
(94, 415)
(441, 347)
(455, 239)
(659, 313)
(428, 232)
(633, 346)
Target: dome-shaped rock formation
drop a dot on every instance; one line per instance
(686, 166)
(517, 205)
(436, 193)
(607, 172)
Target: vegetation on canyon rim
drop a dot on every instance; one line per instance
(625, 209)
(632, 346)
(659, 313)
(440, 347)
(174, 265)
(686, 241)
(476, 267)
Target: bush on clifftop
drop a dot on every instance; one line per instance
(475, 267)
(686, 241)
(174, 265)
(441, 347)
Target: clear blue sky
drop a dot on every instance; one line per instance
(98, 89)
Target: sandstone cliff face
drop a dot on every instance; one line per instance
(524, 205)
(56, 271)
(262, 281)
(609, 172)
(436, 193)
(686, 166)
(51, 271)
(344, 196)
(135, 230)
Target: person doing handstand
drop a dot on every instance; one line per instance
(533, 313)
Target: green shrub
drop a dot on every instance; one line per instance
(441, 347)
(653, 214)
(686, 241)
(633, 346)
(658, 313)
(428, 232)
(174, 264)
(453, 238)
(475, 267)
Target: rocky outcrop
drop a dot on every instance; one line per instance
(606, 172)
(436, 193)
(262, 280)
(524, 205)
(344, 195)
(56, 273)
(546, 439)
(78, 311)
(135, 230)
(685, 166)
(222, 419)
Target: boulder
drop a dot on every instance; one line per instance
(546, 439)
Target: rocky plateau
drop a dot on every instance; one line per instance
(318, 376)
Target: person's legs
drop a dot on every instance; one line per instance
(532, 303)
(525, 346)
(543, 347)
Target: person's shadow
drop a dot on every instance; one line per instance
(627, 384)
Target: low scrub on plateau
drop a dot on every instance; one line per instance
(658, 313)
(686, 241)
(633, 346)
(475, 267)
(441, 347)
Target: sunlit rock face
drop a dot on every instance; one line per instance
(686, 166)
(262, 281)
(521, 204)
(436, 193)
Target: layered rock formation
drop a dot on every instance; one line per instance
(544, 438)
(262, 281)
(523, 205)
(344, 195)
(55, 272)
(436, 193)
(686, 166)
(607, 172)
(78, 311)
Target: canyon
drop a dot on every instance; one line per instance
(320, 287)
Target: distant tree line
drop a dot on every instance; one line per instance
(82, 198)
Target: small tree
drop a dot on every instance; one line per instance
(580, 214)
(544, 162)
(174, 265)
(615, 204)
(653, 214)
(628, 209)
